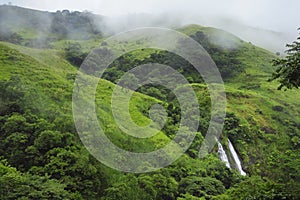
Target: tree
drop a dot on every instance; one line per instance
(15, 185)
(288, 71)
(201, 186)
(12, 95)
(15, 38)
(129, 81)
(74, 54)
(129, 187)
(48, 140)
(257, 188)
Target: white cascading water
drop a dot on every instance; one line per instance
(236, 158)
(222, 154)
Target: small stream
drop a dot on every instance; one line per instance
(223, 156)
(236, 158)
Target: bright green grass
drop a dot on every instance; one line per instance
(86, 45)
(254, 100)
(138, 103)
(250, 97)
(45, 72)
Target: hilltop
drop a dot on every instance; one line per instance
(38, 29)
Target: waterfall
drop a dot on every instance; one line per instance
(222, 154)
(236, 158)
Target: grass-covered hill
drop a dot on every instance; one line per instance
(39, 29)
(41, 156)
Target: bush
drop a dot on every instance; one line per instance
(74, 54)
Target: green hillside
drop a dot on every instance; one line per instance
(42, 157)
(41, 29)
(266, 116)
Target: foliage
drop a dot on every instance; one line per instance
(201, 187)
(225, 59)
(75, 24)
(74, 54)
(288, 68)
(12, 37)
(15, 185)
(12, 96)
(43, 158)
(257, 188)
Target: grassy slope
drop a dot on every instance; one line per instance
(45, 74)
(252, 99)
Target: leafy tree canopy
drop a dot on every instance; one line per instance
(288, 71)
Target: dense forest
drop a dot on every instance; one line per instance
(42, 156)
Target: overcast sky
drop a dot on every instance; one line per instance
(278, 15)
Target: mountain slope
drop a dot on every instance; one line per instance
(265, 113)
(39, 139)
(41, 83)
(39, 29)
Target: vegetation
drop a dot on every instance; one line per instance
(74, 54)
(41, 156)
(288, 70)
(43, 29)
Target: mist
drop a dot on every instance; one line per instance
(274, 40)
(270, 24)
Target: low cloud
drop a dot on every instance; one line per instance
(250, 20)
